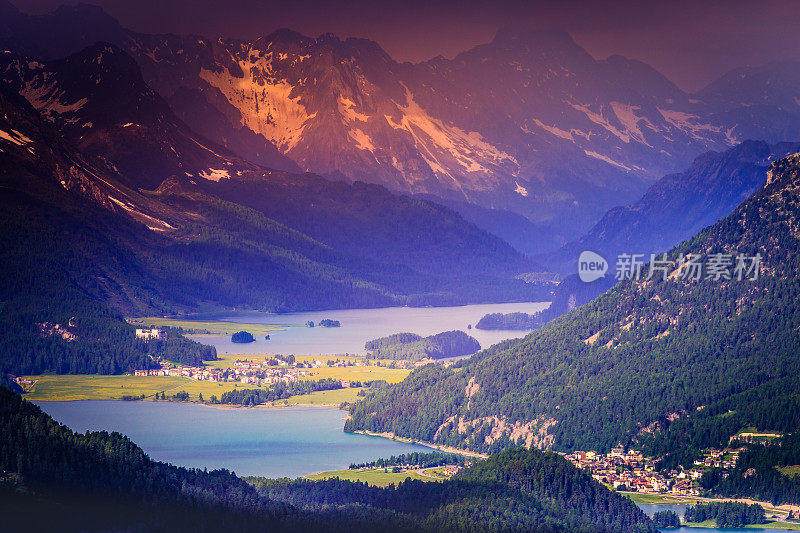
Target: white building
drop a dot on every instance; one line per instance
(148, 333)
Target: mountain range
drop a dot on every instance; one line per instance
(558, 136)
(174, 174)
(118, 218)
(149, 165)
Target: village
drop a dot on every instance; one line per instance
(268, 372)
(631, 471)
(271, 370)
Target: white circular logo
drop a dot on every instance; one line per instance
(591, 266)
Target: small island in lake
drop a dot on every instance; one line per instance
(242, 337)
(515, 321)
(413, 347)
(328, 323)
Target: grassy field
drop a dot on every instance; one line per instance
(93, 387)
(325, 397)
(360, 373)
(658, 499)
(436, 473)
(378, 478)
(215, 327)
(96, 387)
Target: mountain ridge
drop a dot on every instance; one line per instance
(570, 136)
(676, 206)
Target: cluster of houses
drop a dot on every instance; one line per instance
(451, 470)
(266, 372)
(632, 472)
(251, 373)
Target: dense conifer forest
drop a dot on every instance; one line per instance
(412, 347)
(278, 391)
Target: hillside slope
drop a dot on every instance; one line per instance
(99, 101)
(646, 351)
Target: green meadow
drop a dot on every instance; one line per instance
(378, 478)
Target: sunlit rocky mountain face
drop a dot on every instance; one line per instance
(529, 123)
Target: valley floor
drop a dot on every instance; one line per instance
(71, 387)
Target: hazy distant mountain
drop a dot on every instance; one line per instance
(529, 122)
(762, 101)
(677, 206)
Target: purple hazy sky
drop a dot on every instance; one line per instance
(691, 42)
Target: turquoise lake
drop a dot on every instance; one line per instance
(285, 442)
(362, 325)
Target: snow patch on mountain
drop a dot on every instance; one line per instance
(15, 137)
(46, 97)
(363, 141)
(151, 222)
(600, 120)
(691, 125)
(554, 130)
(266, 103)
(627, 116)
(449, 151)
(215, 174)
(347, 110)
(606, 159)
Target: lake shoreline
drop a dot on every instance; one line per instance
(221, 406)
(448, 449)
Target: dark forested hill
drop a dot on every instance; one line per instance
(524, 490)
(51, 477)
(644, 352)
(414, 347)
